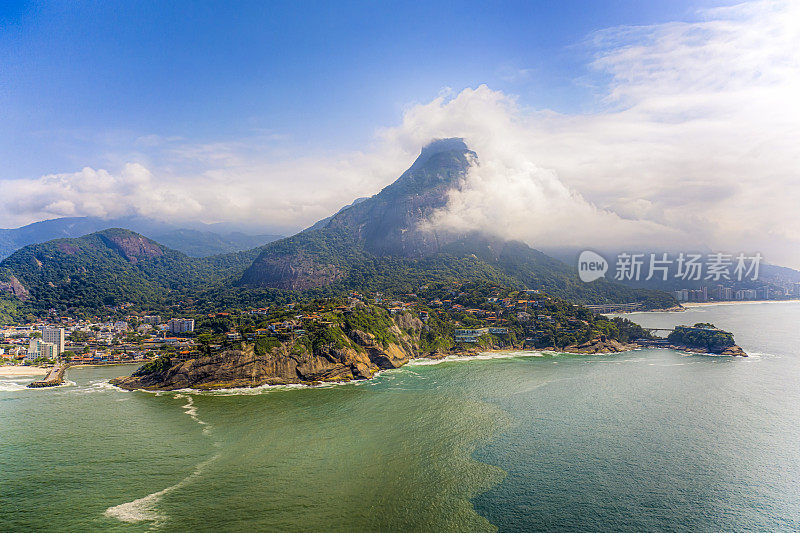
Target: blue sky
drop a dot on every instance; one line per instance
(626, 122)
(82, 80)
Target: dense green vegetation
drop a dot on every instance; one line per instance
(541, 321)
(374, 320)
(111, 268)
(472, 259)
(82, 276)
(702, 335)
(264, 345)
(11, 309)
(159, 364)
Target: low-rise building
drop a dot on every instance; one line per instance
(469, 335)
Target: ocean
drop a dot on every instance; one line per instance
(648, 440)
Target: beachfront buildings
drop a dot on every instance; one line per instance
(54, 336)
(39, 348)
(746, 294)
(723, 293)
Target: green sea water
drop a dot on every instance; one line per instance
(649, 440)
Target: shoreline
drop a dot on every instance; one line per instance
(738, 302)
(94, 365)
(441, 358)
(10, 371)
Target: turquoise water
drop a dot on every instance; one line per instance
(649, 440)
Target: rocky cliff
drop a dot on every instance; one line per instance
(15, 288)
(598, 345)
(359, 356)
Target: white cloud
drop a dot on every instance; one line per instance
(696, 143)
(221, 182)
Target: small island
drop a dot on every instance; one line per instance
(704, 338)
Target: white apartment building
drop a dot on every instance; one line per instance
(181, 325)
(54, 336)
(39, 348)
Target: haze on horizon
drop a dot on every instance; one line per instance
(678, 128)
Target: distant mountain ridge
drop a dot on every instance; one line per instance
(108, 268)
(193, 242)
(383, 244)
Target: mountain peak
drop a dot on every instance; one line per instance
(444, 145)
(390, 223)
(438, 151)
(130, 245)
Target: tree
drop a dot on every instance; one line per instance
(205, 340)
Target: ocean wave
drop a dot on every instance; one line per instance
(757, 356)
(191, 409)
(264, 389)
(423, 361)
(13, 385)
(94, 387)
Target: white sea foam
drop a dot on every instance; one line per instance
(97, 386)
(264, 389)
(17, 385)
(145, 509)
(190, 409)
(478, 357)
(7, 385)
(758, 356)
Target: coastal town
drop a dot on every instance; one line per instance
(467, 313)
(731, 293)
(461, 315)
(92, 341)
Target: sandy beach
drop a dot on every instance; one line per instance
(13, 371)
(737, 302)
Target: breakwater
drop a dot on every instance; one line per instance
(54, 378)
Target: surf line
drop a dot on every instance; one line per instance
(145, 508)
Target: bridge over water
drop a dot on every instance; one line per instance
(660, 333)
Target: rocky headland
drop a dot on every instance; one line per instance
(356, 355)
(343, 354)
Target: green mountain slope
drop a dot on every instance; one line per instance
(109, 268)
(383, 243)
